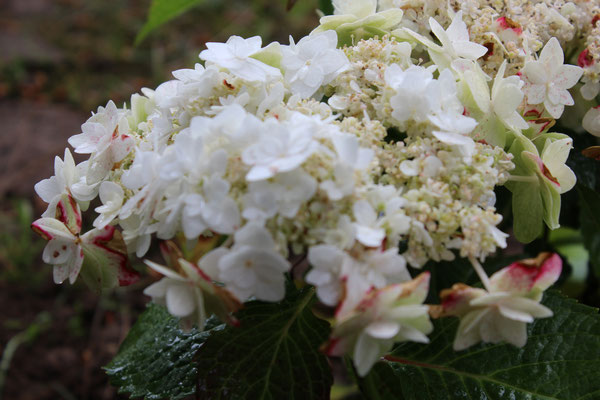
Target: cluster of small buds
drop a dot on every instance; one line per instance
(363, 147)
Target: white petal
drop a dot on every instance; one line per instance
(370, 237)
(180, 300)
(366, 353)
(383, 329)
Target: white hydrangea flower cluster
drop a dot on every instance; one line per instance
(363, 147)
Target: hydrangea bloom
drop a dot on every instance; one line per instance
(353, 152)
(548, 79)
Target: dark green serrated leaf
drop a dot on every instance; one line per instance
(156, 360)
(589, 204)
(161, 12)
(272, 355)
(561, 361)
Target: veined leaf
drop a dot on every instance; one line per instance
(272, 355)
(156, 360)
(161, 12)
(561, 361)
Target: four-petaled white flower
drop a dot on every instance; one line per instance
(236, 55)
(104, 137)
(454, 130)
(548, 80)
(67, 248)
(191, 296)
(395, 313)
(554, 156)
(68, 179)
(282, 148)
(502, 313)
(351, 157)
(455, 43)
(455, 40)
(367, 225)
(333, 268)
(252, 267)
(313, 62)
(111, 196)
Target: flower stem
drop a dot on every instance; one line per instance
(480, 272)
(520, 178)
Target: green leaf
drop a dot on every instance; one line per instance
(528, 211)
(272, 355)
(326, 6)
(561, 360)
(589, 203)
(161, 12)
(527, 203)
(156, 360)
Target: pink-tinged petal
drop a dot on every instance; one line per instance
(50, 228)
(541, 168)
(100, 165)
(87, 142)
(76, 264)
(455, 301)
(535, 93)
(549, 272)
(417, 289)
(555, 110)
(121, 146)
(567, 76)
(506, 23)
(69, 213)
(59, 251)
(107, 249)
(523, 276)
(556, 95)
(585, 59)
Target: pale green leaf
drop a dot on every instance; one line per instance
(161, 12)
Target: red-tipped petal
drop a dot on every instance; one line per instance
(69, 213)
(525, 275)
